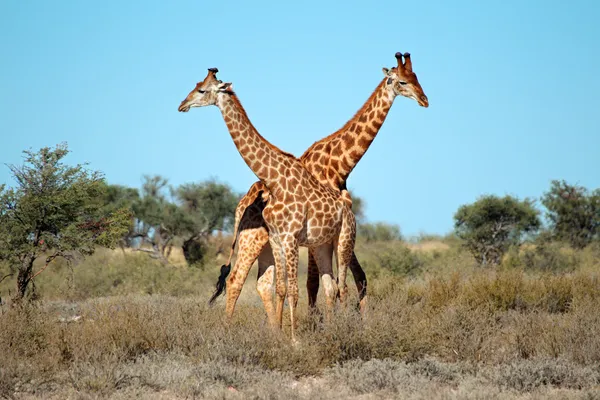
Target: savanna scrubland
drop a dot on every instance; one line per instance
(104, 294)
(119, 324)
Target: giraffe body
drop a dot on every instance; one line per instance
(330, 161)
(300, 210)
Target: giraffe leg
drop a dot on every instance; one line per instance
(250, 243)
(323, 257)
(344, 250)
(266, 274)
(280, 285)
(312, 281)
(291, 252)
(360, 278)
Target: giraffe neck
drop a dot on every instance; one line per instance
(262, 157)
(332, 159)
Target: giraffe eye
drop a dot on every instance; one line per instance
(402, 83)
(201, 91)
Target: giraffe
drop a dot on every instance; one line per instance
(330, 160)
(300, 211)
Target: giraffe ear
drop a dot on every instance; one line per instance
(224, 87)
(386, 71)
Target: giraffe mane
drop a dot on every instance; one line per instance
(348, 123)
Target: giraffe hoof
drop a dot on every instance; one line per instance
(296, 343)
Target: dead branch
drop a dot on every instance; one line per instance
(48, 261)
(154, 253)
(6, 276)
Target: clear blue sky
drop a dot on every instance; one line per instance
(513, 85)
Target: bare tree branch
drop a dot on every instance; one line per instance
(49, 259)
(6, 276)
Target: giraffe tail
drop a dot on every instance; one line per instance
(226, 268)
(221, 282)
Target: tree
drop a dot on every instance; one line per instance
(209, 206)
(573, 213)
(54, 211)
(118, 197)
(158, 220)
(379, 232)
(190, 213)
(492, 224)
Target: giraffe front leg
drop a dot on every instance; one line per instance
(250, 243)
(280, 285)
(345, 250)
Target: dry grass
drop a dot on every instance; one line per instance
(429, 245)
(445, 330)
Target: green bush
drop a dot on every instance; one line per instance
(573, 212)
(544, 256)
(54, 211)
(378, 232)
(492, 224)
(391, 257)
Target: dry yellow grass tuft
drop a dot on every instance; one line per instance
(129, 327)
(430, 245)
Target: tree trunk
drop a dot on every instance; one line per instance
(24, 276)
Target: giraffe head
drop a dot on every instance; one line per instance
(206, 92)
(403, 81)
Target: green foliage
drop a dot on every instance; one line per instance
(544, 254)
(188, 215)
(158, 220)
(492, 224)
(55, 210)
(121, 200)
(573, 212)
(119, 197)
(378, 231)
(385, 258)
(210, 205)
(398, 259)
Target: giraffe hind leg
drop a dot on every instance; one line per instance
(250, 242)
(266, 274)
(360, 279)
(312, 281)
(323, 256)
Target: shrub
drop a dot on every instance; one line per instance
(492, 224)
(391, 257)
(54, 212)
(378, 232)
(573, 212)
